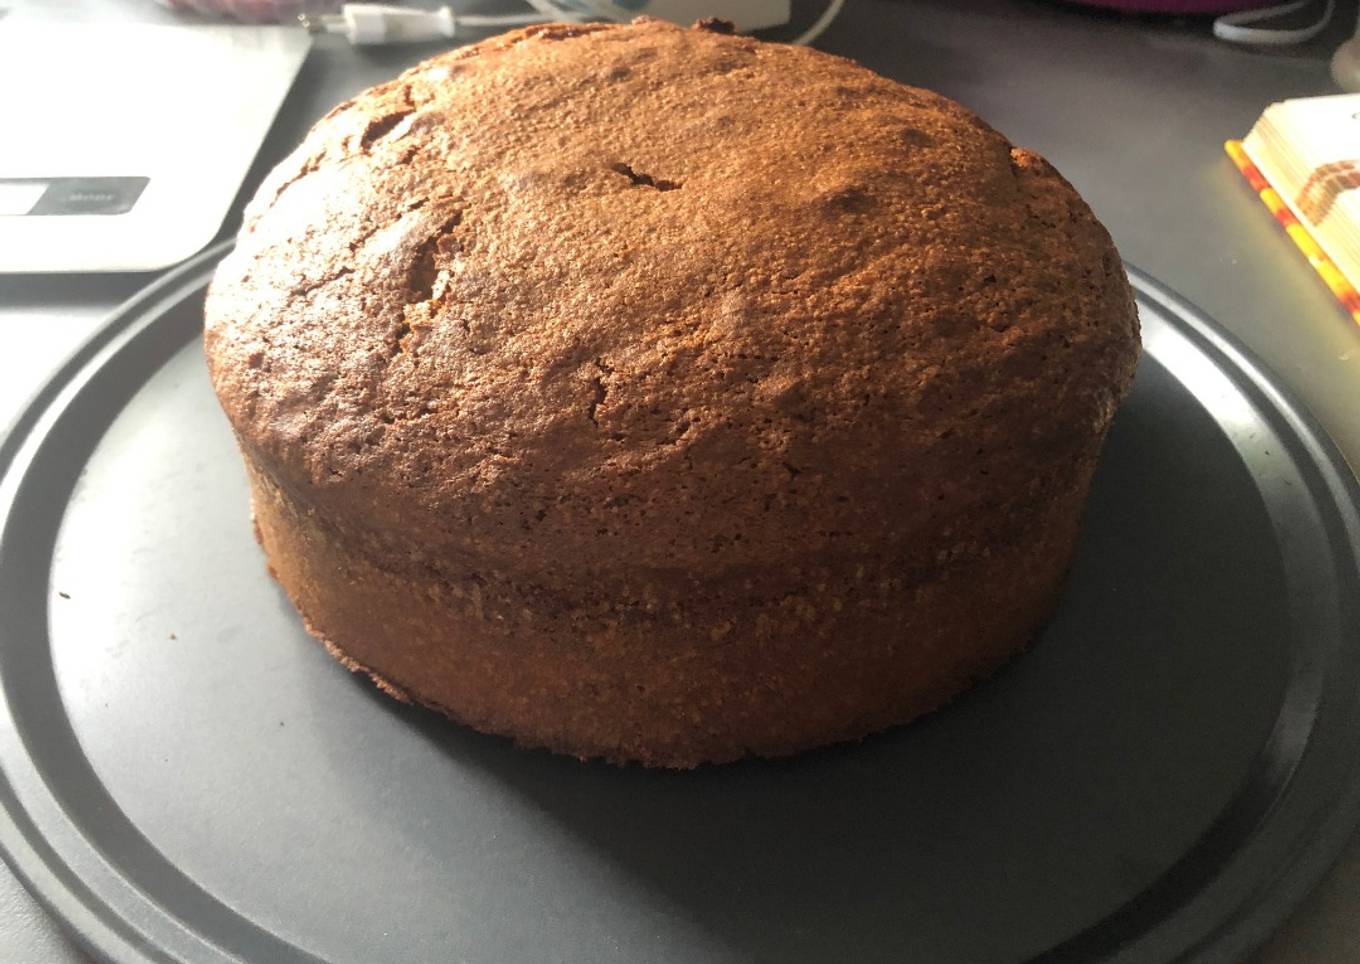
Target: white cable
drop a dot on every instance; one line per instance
(1346, 62)
(596, 9)
(1238, 27)
(365, 24)
(376, 23)
(821, 23)
(501, 19)
(552, 11)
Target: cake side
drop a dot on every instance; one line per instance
(723, 669)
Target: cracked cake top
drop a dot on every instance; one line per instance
(595, 296)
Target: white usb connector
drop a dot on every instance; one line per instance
(376, 23)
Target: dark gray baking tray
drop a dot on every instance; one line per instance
(187, 776)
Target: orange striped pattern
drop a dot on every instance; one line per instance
(1345, 292)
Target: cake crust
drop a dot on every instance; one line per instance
(663, 395)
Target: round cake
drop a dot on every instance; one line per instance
(661, 395)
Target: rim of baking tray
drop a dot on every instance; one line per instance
(140, 929)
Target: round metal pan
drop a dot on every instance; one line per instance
(187, 776)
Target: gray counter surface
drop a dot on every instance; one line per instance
(1133, 112)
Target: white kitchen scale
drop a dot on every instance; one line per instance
(124, 145)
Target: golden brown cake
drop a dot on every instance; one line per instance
(666, 396)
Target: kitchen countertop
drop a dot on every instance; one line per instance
(1132, 111)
